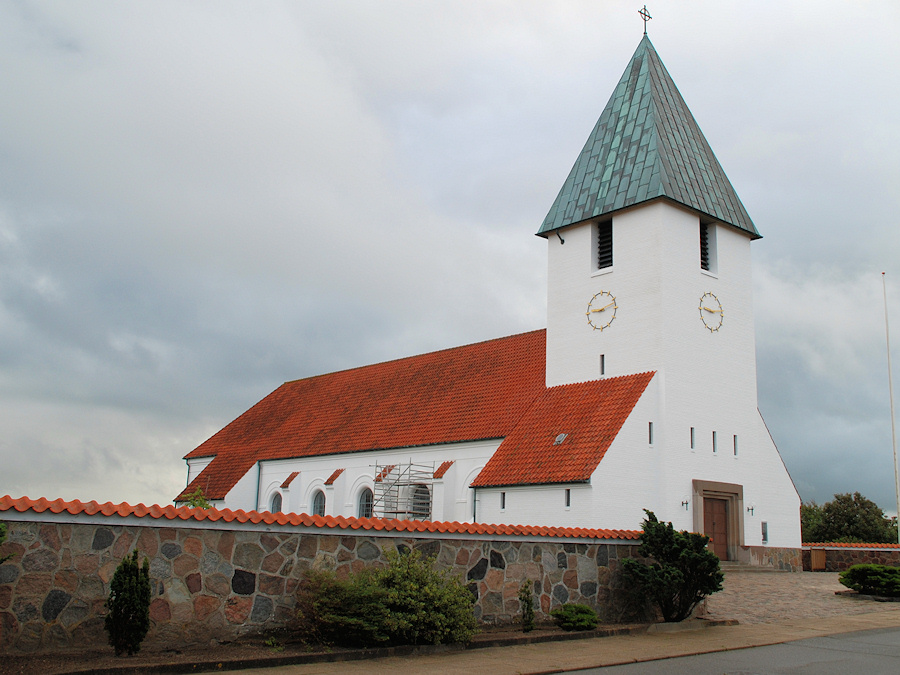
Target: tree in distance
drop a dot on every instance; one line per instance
(847, 518)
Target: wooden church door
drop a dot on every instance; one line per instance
(715, 525)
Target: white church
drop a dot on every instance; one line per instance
(641, 392)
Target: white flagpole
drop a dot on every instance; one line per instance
(887, 333)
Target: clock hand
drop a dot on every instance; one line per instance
(714, 311)
(602, 308)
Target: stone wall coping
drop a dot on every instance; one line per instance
(25, 509)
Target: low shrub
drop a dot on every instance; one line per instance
(873, 580)
(574, 617)
(406, 602)
(682, 573)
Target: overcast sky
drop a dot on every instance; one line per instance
(202, 200)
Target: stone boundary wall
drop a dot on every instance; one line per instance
(218, 582)
(840, 558)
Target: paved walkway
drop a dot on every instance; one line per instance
(760, 597)
(772, 608)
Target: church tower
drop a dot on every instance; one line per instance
(649, 246)
(649, 270)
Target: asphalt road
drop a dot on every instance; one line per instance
(867, 652)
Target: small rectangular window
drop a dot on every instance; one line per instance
(735, 445)
(715, 444)
(502, 501)
(692, 438)
(604, 245)
(568, 498)
(765, 531)
(603, 364)
(650, 433)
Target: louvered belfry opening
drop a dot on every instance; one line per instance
(604, 245)
(704, 246)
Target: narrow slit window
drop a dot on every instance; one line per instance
(715, 443)
(735, 445)
(692, 438)
(650, 433)
(604, 245)
(603, 364)
(502, 501)
(568, 497)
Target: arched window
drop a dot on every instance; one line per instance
(275, 503)
(420, 502)
(364, 505)
(318, 503)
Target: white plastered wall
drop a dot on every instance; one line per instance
(705, 380)
(450, 494)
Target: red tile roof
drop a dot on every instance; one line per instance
(185, 513)
(333, 477)
(443, 468)
(290, 479)
(467, 393)
(589, 413)
(384, 472)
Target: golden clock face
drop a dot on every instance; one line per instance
(711, 312)
(601, 310)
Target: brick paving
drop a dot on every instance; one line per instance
(772, 597)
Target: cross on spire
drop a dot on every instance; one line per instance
(645, 15)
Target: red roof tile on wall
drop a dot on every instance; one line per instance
(384, 472)
(589, 413)
(333, 477)
(290, 479)
(443, 468)
(185, 513)
(467, 393)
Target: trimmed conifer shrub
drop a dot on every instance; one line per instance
(574, 617)
(882, 580)
(526, 601)
(682, 572)
(128, 619)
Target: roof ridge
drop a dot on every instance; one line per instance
(416, 356)
(169, 512)
(604, 379)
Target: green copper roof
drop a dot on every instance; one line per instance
(646, 145)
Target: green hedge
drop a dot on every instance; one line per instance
(873, 580)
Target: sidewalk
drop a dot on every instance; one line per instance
(552, 657)
(772, 608)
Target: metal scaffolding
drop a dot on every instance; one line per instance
(403, 491)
